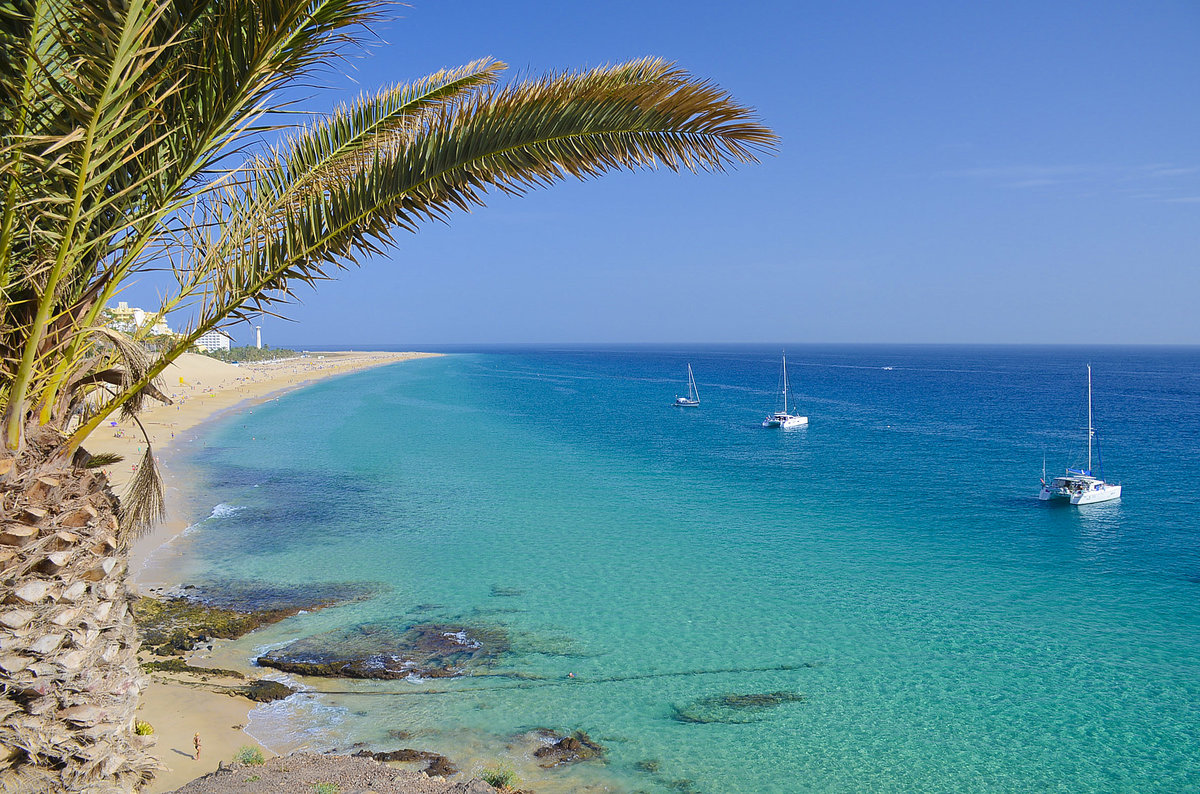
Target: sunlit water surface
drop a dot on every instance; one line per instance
(890, 563)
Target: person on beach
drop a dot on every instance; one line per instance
(196, 741)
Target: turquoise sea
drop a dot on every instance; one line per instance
(934, 626)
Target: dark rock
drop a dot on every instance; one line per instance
(435, 765)
(264, 691)
(177, 665)
(378, 651)
(567, 749)
(734, 708)
(399, 735)
(175, 624)
(648, 765)
(440, 767)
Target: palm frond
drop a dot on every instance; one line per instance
(115, 111)
(640, 114)
(134, 362)
(100, 460)
(143, 503)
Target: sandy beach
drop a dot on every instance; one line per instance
(201, 388)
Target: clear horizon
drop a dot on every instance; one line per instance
(785, 346)
(1019, 174)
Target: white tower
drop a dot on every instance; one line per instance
(258, 336)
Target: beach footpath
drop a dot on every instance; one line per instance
(177, 705)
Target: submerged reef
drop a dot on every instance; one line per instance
(734, 708)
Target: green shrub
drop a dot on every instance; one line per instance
(499, 776)
(143, 728)
(250, 756)
(327, 788)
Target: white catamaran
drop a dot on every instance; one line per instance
(693, 395)
(783, 418)
(1079, 485)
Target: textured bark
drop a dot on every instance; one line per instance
(68, 646)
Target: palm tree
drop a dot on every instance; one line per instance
(137, 135)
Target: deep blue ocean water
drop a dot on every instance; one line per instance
(891, 562)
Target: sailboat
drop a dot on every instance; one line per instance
(693, 395)
(1080, 485)
(783, 418)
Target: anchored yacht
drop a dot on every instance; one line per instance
(782, 418)
(1080, 486)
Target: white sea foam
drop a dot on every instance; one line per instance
(462, 639)
(303, 721)
(259, 650)
(223, 510)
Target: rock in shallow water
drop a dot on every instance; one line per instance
(430, 650)
(264, 691)
(557, 749)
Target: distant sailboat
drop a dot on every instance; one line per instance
(693, 395)
(782, 418)
(1079, 485)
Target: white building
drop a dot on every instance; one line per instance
(213, 340)
(130, 318)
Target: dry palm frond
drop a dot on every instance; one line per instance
(134, 362)
(143, 503)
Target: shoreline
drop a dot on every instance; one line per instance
(202, 389)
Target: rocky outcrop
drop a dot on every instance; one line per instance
(431, 650)
(435, 765)
(264, 691)
(571, 749)
(170, 625)
(302, 772)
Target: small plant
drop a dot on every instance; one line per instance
(143, 728)
(253, 779)
(327, 788)
(250, 756)
(499, 776)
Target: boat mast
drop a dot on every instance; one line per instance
(785, 383)
(1089, 366)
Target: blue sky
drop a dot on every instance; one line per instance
(948, 172)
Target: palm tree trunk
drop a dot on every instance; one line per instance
(68, 645)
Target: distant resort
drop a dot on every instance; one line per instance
(132, 319)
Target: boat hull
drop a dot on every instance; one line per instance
(787, 424)
(1105, 493)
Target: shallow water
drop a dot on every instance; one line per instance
(890, 563)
